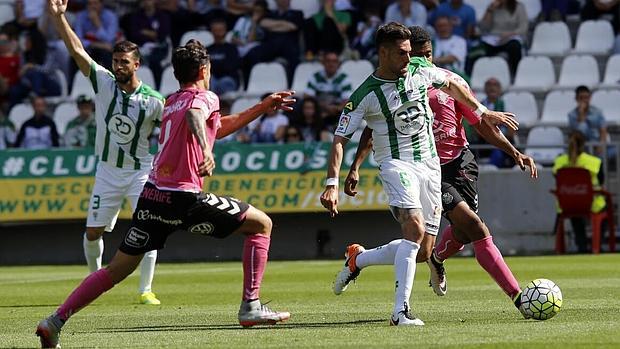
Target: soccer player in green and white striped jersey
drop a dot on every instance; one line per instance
(395, 104)
(126, 112)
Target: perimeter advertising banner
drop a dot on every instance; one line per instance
(56, 184)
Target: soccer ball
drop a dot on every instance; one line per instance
(541, 299)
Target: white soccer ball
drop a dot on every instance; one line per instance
(541, 299)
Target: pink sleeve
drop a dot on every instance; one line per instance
(209, 103)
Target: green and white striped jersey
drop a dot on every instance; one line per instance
(124, 121)
(397, 111)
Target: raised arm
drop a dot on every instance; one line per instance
(363, 149)
(57, 9)
(234, 122)
(197, 126)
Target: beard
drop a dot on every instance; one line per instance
(122, 78)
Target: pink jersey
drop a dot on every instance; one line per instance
(176, 165)
(448, 125)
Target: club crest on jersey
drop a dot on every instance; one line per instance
(343, 123)
(205, 228)
(348, 107)
(122, 129)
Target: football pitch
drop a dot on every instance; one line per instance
(200, 303)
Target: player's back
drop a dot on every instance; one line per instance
(176, 165)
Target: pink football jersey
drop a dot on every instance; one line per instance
(448, 128)
(176, 165)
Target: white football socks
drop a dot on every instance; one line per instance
(93, 250)
(404, 267)
(147, 269)
(382, 255)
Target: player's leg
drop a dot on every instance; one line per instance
(93, 247)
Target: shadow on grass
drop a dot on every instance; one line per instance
(236, 327)
(27, 305)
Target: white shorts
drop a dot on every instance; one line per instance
(415, 185)
(112, 185)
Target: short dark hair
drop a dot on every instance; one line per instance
(581, 88)
(187, 60)
(419, 36)
(127, 47)
(390, 33)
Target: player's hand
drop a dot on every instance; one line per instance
(329, 200)
(57, 7)
(501, 118)
(280, 100)
(206, 167)
(351, 182)
(525, 161)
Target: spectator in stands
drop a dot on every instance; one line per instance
(182, 19)
(9, 65)
(577, 157)
(7, 132)
(556, 10)
(236, 9)
(450, 50)
(271, 128)
(247, 33)
(292, 135)
(504, 28)
(282, 35)
(149, 28)
(407, 12)
(593, 9)
(462, 16)
(57, 53)
(364, 42)
(326, 30)
(588, 119)
(225, 61)
(309, 122)
(331, 87)
(97, 28)
(82, 130)
(38, 132)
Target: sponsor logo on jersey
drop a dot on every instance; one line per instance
(122, 129)
(343, 123)
(146, 215)
(447, 198)
(136, 238)
(205, 228)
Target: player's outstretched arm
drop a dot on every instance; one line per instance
(196, 123)
(329, 198)
(233, 122)
(57, 9)
(461, 94)
(363, 149)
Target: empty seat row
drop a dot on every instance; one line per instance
(553, 38)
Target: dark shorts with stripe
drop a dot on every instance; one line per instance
(459, 182)
(159, 213)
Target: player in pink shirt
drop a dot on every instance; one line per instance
(172, 199)
(459, 176)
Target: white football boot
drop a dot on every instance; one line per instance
(350, 271)
(254, 313)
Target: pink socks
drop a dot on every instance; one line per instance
(448, 245)
(255, 251)
(92, 287)
(491, 260)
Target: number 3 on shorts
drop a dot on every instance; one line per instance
(96, 202)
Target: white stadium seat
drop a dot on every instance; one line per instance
(594, 37)
(357, 71)
(168, 82)
(612, 73)
(490, 67)
(556, 107)
(534, 74)
(267, 78)
(609, 102)
(64, 113)
(146, 75)
(480, 6)
(20, 113)
(532, 7)
(302, 74)
(241, 104)
(579, 70)
(550, 138)
(523, 105)
(204, 36)
(7, 13)
(551, 39)
(81, 86)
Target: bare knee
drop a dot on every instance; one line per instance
(475, 229)
(94, 233)
(256, 222)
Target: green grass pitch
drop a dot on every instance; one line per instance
(200, 303)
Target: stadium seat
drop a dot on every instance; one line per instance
(612, 73)
(594, 37)
(357, 71)
(551, 39)
(168, 83)
(534, 74)
(490, 67)
(480, 6)
(544, 144)
(533, 8)
(579, 70)
(267, 78)
(204, 36)
(523, 105)
(241, 104)
(302, 74)
(6, 13)
(64, 113)
(556, 107)
(20, 113)
(81, 85)
(146, 75)
(609, 102)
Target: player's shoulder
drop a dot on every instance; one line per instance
(417, 63)
(366, 89)
(454, 76)
(150, 92)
